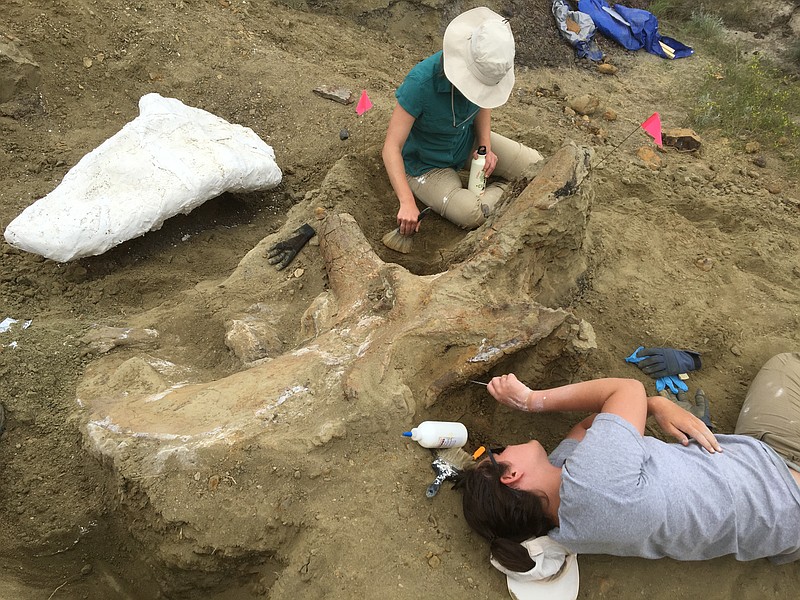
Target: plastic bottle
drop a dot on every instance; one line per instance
(438, 434)
(477, 176)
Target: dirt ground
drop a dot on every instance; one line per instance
(700, 250)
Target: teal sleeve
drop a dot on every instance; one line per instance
(409, 95)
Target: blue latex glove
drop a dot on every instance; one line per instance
(633, 358)
(660, 362)
(674, 383)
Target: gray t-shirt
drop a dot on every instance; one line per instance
(628, 495)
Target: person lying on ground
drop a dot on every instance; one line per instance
(443, 115)
(609, 489)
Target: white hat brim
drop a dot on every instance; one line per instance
(456, 45)
(565, 586)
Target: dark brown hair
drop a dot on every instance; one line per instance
(501, 514)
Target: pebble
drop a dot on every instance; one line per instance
(584, 105)
(704, 264)
(736, 351)
(344, 134)
(86, 570)
(607, 69)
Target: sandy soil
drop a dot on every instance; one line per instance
(700, 251)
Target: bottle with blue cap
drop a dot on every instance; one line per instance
(439, 434)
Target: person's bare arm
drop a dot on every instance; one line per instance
(625, 398)
(396, 135)
(483, 137)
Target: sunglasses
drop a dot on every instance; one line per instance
(492, 451)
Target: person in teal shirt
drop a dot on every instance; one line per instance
(443, 114)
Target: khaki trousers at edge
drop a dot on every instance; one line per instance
(771, 409)
(442, 190)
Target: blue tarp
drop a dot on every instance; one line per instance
(633, 28)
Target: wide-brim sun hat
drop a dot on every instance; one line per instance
(479, 56)
(555, 576)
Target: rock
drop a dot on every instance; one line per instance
(649, 158)
(682, 139)
(736, 351)
(584, 105)
(339, 94)
(252, 339)
(606, 69)
(569, 112)
(760, 161)
(344, 134)
(704, 264)
(610, 115)
(774, 188)
(19, 74)
(752, 147)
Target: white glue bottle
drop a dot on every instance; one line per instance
(477, 176)
(438, 434)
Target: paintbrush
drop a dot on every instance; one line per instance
(399, 242)
(448, 464)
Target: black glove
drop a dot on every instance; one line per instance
(282, 253)
(662, 362)
(699, 408)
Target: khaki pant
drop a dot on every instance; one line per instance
(771, 409)
(442, 190)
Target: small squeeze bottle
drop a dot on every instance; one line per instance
(439, 434)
